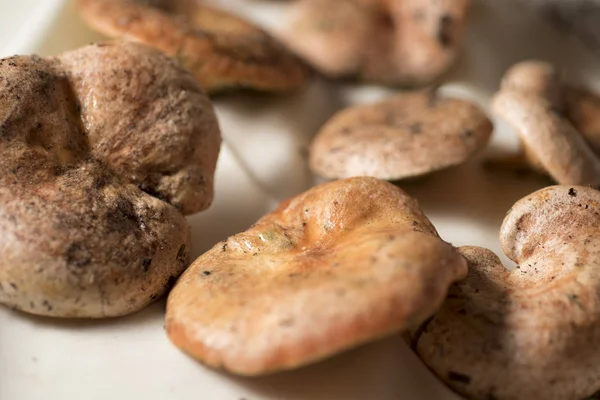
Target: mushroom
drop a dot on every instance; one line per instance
(582, 109)
(94, 146)
(554, 120)
(342, 264)
(533, 332)
(395, 42)
(404, 136)
(222, 51)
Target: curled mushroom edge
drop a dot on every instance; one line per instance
(533, 332)
(344, 263)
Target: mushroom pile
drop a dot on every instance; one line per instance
(104, 150)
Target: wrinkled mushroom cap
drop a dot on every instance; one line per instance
(222, 50)
(531, 333)
(147, 119)
(339, 265)
(84, 136)
(397, 42)
(404, 136)
(530, 100)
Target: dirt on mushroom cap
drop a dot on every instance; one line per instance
(339, 265)
(148, 120)
(397, 42)
(404, 136)
(222, 50)
(79, 236)
(533, 332)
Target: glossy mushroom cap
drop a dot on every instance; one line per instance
(342, 264)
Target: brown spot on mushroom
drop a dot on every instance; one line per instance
(431, 137)
(146, 263)
(389, 277)
(395, 42)
(444, 33)
(223, 51)
(78, 256)
(459, 378)
(532, 332)
(182, 254)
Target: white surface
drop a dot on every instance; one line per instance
(131, 358)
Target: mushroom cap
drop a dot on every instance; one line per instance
(332, 34)
(222, 51)
(577, 108)
(530, 333)
(344, 263)
(397, 42)
(80, 237)
(551, 141)
(533, 77)
(404, 136)
(148, 120)
(582, 108)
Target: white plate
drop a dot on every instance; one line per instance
(262, 162)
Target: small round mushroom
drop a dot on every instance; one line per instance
(222, 51)
(342, 264)
(396, 42)
(533, 332)
(557, 122)
(94, 146)
(405, 136)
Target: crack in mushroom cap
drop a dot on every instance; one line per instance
(342, 264)
(530, 333)
(222, 51)
(404, 136)
(398, 42)
(558, 123)
(80, 135)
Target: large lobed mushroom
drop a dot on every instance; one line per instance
(102, 151)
